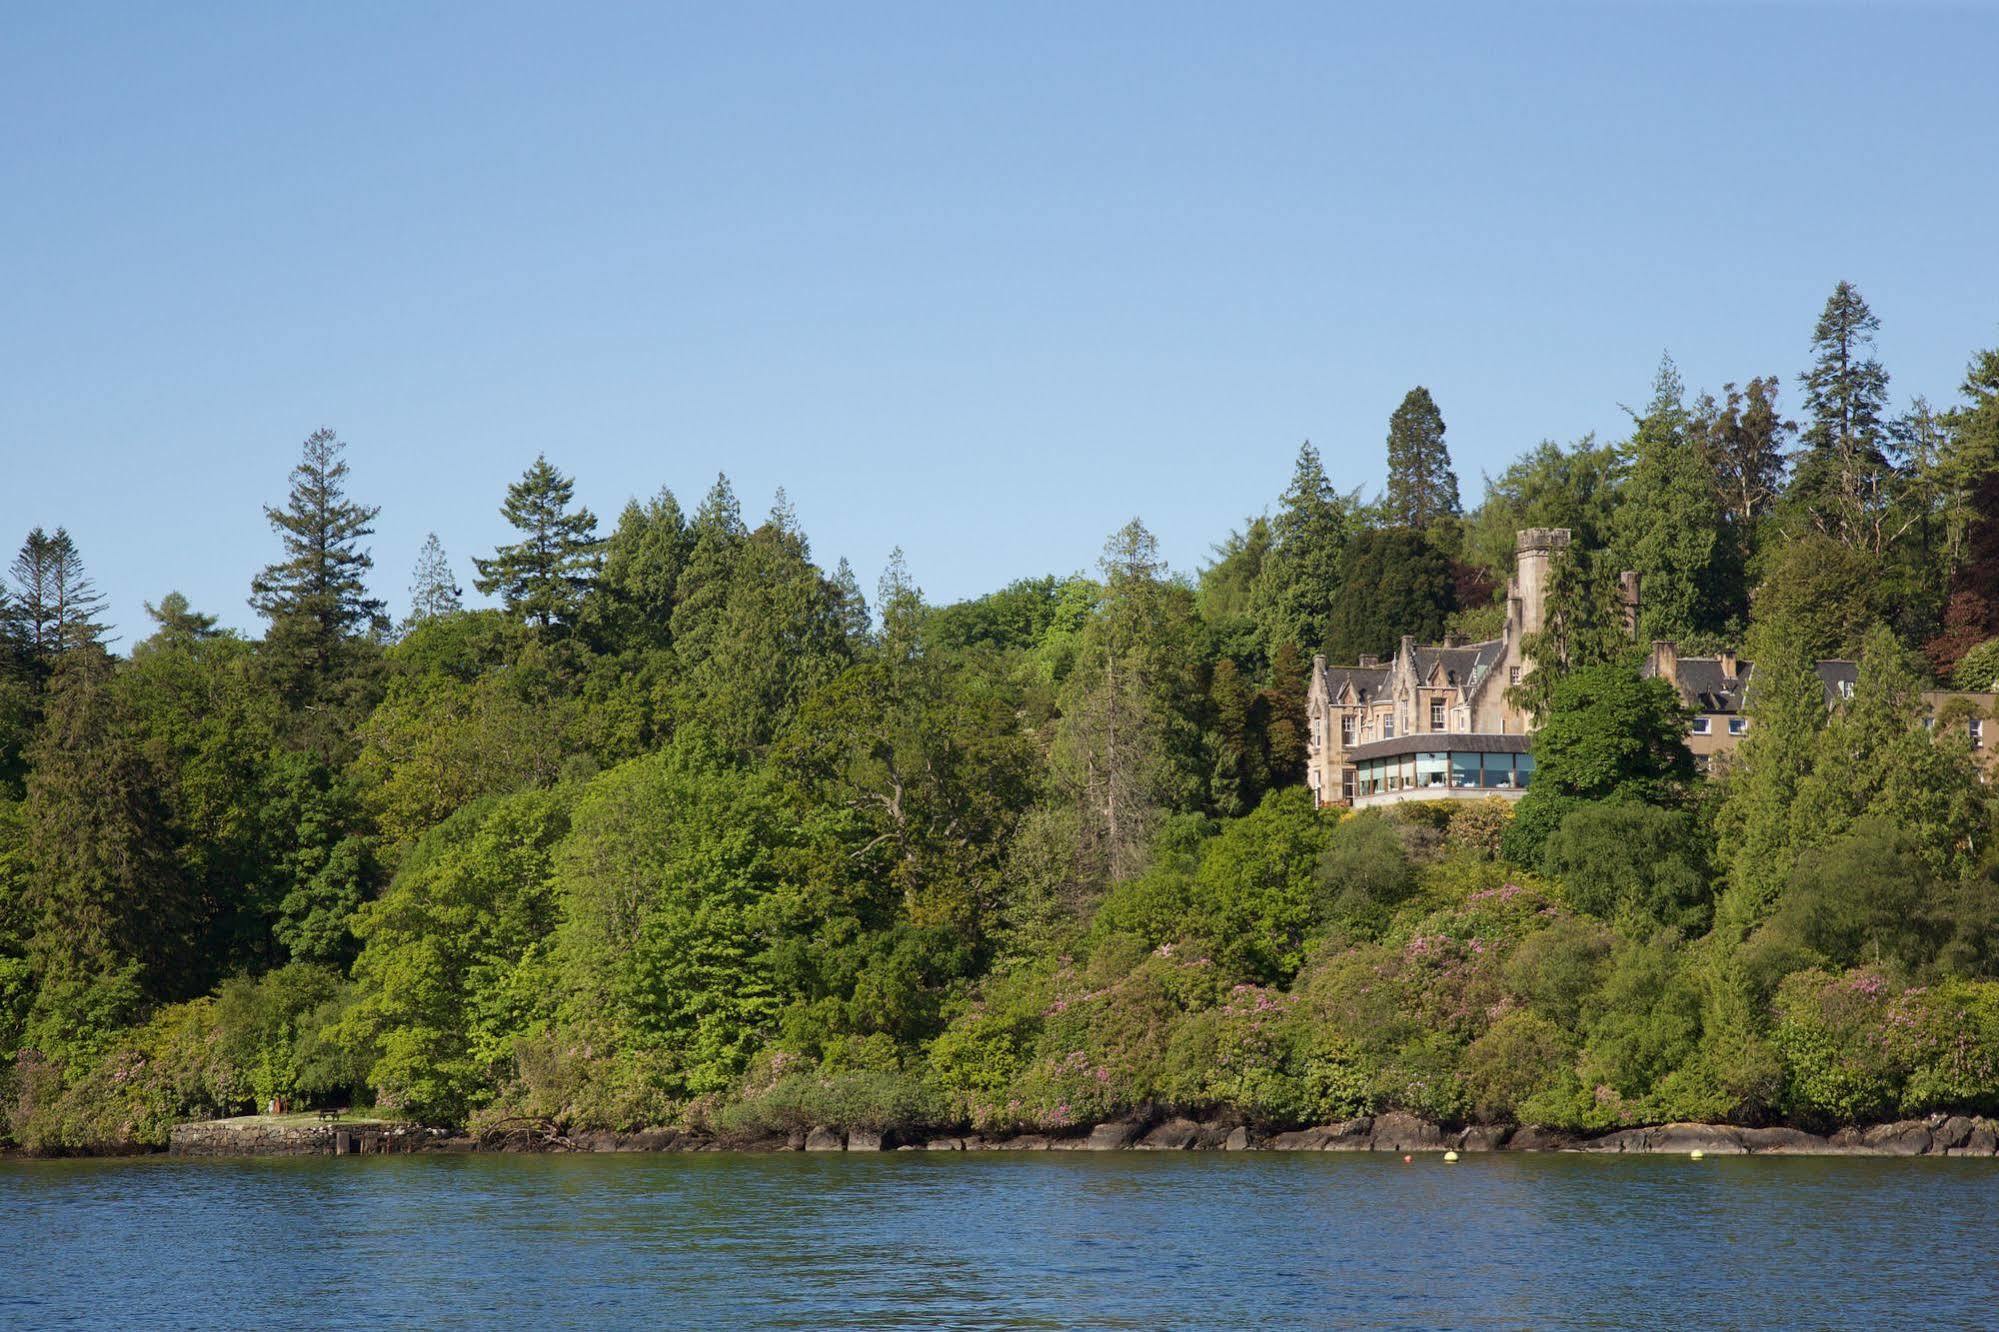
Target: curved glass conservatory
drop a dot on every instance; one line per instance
(1439, 766)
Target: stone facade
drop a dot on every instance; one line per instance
(1435, 721)
(1358, 714)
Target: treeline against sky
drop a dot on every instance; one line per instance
(690, 829)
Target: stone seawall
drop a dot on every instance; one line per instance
(227, 1137)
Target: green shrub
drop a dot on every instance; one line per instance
(1830, 1031)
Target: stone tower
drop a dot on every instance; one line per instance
(1534, 552)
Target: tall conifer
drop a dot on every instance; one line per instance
(544, 577)
(316, 597)
(1421, 485)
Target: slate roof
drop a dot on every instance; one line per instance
(1460, 664)
(1368, 681)
(1713, 691)
(1438, 742)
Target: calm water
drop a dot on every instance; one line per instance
(926, 1240)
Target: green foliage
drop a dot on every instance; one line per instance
(1421, 486)
(1669, 528)
(698, 837)
(544, 577)
(1620, 859)
(316, 597)
(1394, 582)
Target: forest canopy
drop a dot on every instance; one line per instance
(687, 828)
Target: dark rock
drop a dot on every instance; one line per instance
(795, 1141)
(1299, 1140)
(863, 1140)
(1237, 1141)
(1781, 1142)
(825, 1140)
(1952, 1132)
(1110, 1137)
(1399, 1131)
(1707, 1139)
(1536, 1138)
(1847, 1141)
(1175, 1135)
(945, 1145)
(1349, 1135)
(1908, 1138)
(1983, 1140)
(1483, 1138)
(1025, 1142)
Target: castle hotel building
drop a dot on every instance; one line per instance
(1435, 721)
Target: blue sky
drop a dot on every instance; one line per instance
(982, 283)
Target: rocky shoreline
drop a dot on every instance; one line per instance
(1938, 1135)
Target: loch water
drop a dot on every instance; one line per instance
(1000, 1240)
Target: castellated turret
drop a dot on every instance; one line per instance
(1533, 554)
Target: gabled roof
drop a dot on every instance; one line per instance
(1714, 691)
(1367, 681)
(1460, 665)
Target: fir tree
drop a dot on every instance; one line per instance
(57, 607)
(1669, 527)
(1300, 582)
(434, 591)
(716, 538)
(1844, 474)
(544, 577)
(856, 622)
(178, 623)
(632, 606)
(316, 597)
(104, 896)
(1421, 485)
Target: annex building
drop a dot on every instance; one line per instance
(1435, 722)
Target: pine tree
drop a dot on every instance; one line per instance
(856, 622)
(901, 603)
(716, 539)
(316, 597)
(104, 896)
(1744, 441)
(434, 591)
(1299, 586)
(1669, 527)
(57, 603)
(1421, 485)
(1124, 748)
(1844, 475)
(178, 623)
(544, 577)
(632, 606)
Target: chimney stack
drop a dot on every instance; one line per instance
(1627, 592)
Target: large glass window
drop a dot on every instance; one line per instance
(1523, 769)
(1498, 773)
(1431, 770)
(1464, 770)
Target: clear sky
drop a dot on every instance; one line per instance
(982, 283)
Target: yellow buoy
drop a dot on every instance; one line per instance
(1696, 1154)
(1450, 1156)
